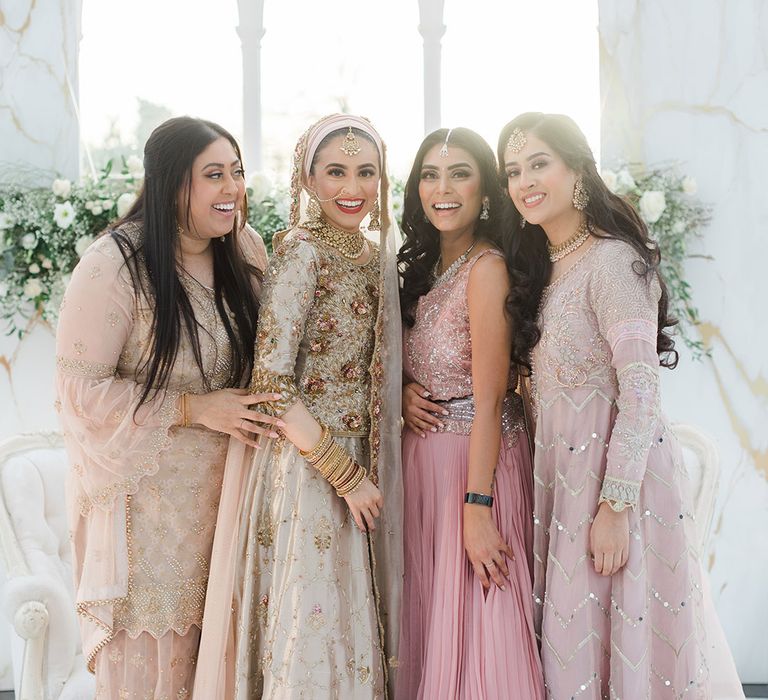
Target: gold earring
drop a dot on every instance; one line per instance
(375, 222)
(314, 210)
(580, 196)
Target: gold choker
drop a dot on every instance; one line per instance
(350, 244)
(559, 251)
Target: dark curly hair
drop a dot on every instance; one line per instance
(609, 215)
(421, 247)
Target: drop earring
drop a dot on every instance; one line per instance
(485, 211)
(314, 210)
(375, 223)
(580, 196)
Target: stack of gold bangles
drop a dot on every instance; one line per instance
(335, 464)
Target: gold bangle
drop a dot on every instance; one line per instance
(354, 483)
(313, 454)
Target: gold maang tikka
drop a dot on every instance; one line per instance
(444, 149)
(350, 145)
(517, 140)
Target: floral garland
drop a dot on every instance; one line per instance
(667, 204)
(43, 232)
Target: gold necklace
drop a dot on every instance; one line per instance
(350, 244)
(559, 251)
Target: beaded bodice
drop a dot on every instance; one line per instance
(316, 332)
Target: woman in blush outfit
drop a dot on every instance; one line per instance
(617, 582)
(154, 340)
(467, 616)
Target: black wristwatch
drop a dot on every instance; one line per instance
(479, 498)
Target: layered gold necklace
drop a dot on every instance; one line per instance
(559, 251)
(350, 244)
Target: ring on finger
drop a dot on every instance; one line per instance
(489, 564)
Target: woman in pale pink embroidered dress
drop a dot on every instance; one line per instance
(617, 580)
(158, 320)
(467, 617)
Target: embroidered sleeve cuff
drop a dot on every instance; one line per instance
(265, 382)
(84, 368)
(619, 493)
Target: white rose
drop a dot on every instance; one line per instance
(82, 245)
(107, 204)
(5, 221)
(260, 186)
(33, 288)
(678, 227)
(689, 185)
(4, 289)
(96, 210)
(63, 214)
(652, 206)
(610, 179)
(283, 208)
(124, 203)
(61, 188)
(29, 241)
(624, 181)
(34, 268)
(47, 264)
(89, 205)
(135, 167)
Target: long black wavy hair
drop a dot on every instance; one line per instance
(421, 248)
(168, 157)
(609, 215)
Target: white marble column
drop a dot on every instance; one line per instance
(688, 81)
(39, 42)
(251, 30)
(431, 28)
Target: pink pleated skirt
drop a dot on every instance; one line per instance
(456, 641)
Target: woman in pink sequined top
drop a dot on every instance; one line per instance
(616, 576)
(467, 623)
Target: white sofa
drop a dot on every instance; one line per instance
(38, 597)
(38, 594)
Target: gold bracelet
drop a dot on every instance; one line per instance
(343, 473)
(354, 483)
(349, 477)
(332, 465)
(322, 445)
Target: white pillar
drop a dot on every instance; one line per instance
(686, 81)
(431, 28)
(251, 31)
(39, 130)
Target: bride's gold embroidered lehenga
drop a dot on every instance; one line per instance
(312, 596)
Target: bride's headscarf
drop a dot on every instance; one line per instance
(385, 371)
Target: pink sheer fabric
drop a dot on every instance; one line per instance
(142, 492)
(601, 436)
(456, 641)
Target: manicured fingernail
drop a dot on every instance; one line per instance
(274, 435)
(423, 435)
(280, 424)
(445, 413)
(503, 588)
(426, 394)
(277, 396)
(441, 425)
(433, 429)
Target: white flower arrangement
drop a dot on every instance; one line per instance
(43, 233)
(666, 202)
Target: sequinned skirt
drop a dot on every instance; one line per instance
(638, 635)
(306, 617)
